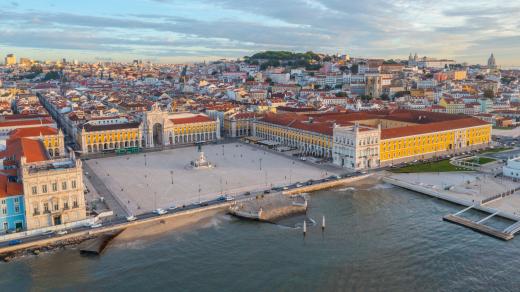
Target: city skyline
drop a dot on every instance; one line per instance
(169, 31)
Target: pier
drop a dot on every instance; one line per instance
(478, 227)
(456, 218)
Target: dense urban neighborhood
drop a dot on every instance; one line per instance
(350, 114)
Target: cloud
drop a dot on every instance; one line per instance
(232, 28)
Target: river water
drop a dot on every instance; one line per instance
(377, 238)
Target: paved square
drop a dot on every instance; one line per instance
(168, 179)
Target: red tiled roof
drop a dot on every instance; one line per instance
(8, 188)
(432, 127)
(33, 150)
(44, 121)
(190, 120)
(32, 132)
(423, 122)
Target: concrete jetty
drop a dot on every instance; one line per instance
(269, 208)
(478, 227)
(456, 218)
(95, 246)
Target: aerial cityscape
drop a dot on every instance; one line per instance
(233, 145)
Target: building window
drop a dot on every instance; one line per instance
(54, 187)
(46, 208)
(73, 184)
(75, 202)
(16, 200)
(34, 190)
(6, 225)
(4, 210)
(64, 185)
(17, 208)
(65, 205)
(44, 189)
(36, 210)
(56, 207)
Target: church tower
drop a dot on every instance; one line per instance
(492, 62)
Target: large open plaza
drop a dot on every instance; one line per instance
(146, 181)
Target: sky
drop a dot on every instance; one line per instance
(174, 31)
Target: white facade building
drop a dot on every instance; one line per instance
(356, 147)
(512, 168)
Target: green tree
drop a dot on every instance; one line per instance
(52, 75)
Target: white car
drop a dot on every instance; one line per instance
(62, 232)
(96, 225)
(171, 208)
(229, 198)
(160, 211)
(131, 218)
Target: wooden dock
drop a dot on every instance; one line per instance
(478, 227)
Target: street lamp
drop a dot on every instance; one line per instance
(145, 159)
(260, 161)
(171, 173)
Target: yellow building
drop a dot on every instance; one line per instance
(374, 139)
(313, 139)
(163, 128)
(459, 75)
(94, 138)
(427, 141)
(10, 59)
(239, 124)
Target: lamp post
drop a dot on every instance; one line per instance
(171, 174)
(199, 194)
(260, 162)
(145, 159)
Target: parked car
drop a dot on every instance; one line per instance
(160, 211)
(15, 242)
(247, 193)
(267, 191)
(62, 232)
(48, 232)
(96, 225)
(171, 208)
(131, 218)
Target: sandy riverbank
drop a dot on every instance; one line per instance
(179, 223)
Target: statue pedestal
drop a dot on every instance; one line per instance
(201, 162)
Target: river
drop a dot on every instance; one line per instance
(377, 238)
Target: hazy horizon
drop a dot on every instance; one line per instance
(172, 31)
